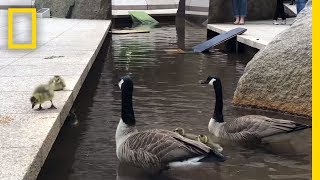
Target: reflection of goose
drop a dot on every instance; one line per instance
(246, 128)
(155, 149)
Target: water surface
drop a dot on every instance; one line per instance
(166, 95)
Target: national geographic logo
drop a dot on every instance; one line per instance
(21, 8)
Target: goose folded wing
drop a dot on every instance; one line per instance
(160, 146)
(257, 127)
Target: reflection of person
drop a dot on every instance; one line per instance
(292, 2)
(300, 5)
(279, 13)
(239, 8)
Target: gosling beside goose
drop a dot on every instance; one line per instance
(250, 128)
(155, 149)
(182, 132)
(201, 138)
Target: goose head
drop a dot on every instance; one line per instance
(202, 138)
(212, 80)
(125, 84)
(179, 131)
(34, 100)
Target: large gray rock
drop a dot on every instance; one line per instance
(279, 76)
(221, 10)
(77, 9)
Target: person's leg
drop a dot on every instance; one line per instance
(243, 10)
(300, 5)
(235, 11)
(281, 10)
(291, 2)
(276, 13)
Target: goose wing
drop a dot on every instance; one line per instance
(156, 148)
(257, 127)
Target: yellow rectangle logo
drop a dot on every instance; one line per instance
(33, 44)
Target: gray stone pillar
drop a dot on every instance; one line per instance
(221, 10)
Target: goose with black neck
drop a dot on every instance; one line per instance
(155, 150)
(249, 128)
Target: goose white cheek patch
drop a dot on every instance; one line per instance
(211, 81)
(120, 83)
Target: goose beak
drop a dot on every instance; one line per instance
(33, 104)
(203, 82)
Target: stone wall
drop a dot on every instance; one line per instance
(77, 9)
(279, 76)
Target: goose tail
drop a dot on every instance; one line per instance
(301, 127)
(214, 157)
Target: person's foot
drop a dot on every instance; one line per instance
(241, 22)
(275, 22)
(236, 21)
(283, 22)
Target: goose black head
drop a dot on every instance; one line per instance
(211, 80)
(125, 83)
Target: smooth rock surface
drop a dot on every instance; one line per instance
(77, 9)
(279, 77)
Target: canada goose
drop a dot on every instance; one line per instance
(41, 94)
(201, 138)
(250, 128)
(58, 83)
(155, 149)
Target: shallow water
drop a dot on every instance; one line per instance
(166, 95)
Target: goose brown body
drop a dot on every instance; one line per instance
(153, 150)
(250, 128)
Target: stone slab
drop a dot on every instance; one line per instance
(258, 34)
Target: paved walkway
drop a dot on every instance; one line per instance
(258, 34)
(65, 47)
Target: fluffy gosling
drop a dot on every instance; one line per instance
(41, 94)
(205, 140)
(58, 83)
(181, 131)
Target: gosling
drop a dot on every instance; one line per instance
(181, 131)
(201, 138)
(58, 83)
(41, 94)
(205, 140)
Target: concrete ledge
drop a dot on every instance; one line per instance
(65, 47)
(158, 12)
(258, 34)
